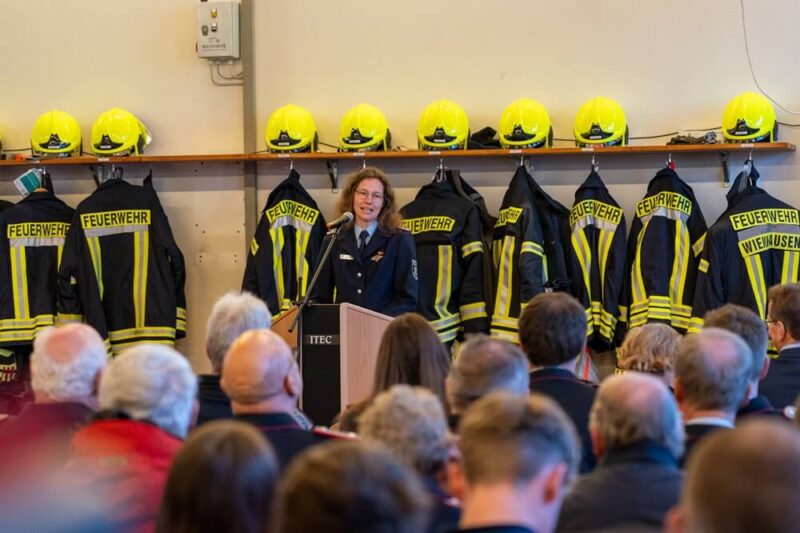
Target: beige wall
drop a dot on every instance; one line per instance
(672, 64)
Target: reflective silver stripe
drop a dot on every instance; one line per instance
(276, 235)
(97, 261)
(115, 230)
(36, 242)
(290, 221)
(443, 267)
(584, 256)
(680, 264)
(761, 230)
(503, 301)
(756, 273)
(140, 276)
(672, 214)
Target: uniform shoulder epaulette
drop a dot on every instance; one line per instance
(327, 433)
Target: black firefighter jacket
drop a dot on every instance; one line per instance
(664, 248)
(448, 235)
(597, 254)
(121, 270)
(754, 245)
(31, 245)
(286, 244)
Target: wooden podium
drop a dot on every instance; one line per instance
(337, 348)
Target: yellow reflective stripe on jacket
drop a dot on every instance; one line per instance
(301, 263)
(444, 279)
(532, 247)
(471, 248)
(276, 236)
(695, 325)
(755, 272)
(141, 252)
(699, 244)
(97, 261)
(132, 333)
(789, 269)
(604, 249)
(66, 318)
(253, 246)
(502, 302)
(473, 310)
(680, 265)
(19, 282)
(584, 253)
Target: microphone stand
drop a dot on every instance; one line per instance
(304, 301)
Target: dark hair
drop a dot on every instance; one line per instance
(350, 486)
(552, 328)
(389, 218)
(221, 480)
(411, 353)
(784, 306)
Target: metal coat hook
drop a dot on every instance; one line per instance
(291, 164)
(595, 165)
(363, 163)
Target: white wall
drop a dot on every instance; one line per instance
(672, 64)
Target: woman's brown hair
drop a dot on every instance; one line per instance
(389, 218)
(221, 480)
(411, 353)
(649, 348)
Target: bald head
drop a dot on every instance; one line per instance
(66, 362)
(632, 408)
(260, 368)
(712, 370)
(746, 479)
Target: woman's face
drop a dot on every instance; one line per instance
(368, 201)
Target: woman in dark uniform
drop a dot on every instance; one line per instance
(373, 261)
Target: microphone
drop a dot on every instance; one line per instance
(346, 217)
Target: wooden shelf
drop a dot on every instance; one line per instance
(410, 154)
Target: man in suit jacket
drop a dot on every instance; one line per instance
(711, 373)
(262, 379)
(232, 315)
(749, 326)
(782, 383)
(637, 435)
(552, 331)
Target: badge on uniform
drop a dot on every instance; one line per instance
(378, 256)
(414, 268)
(346, 257)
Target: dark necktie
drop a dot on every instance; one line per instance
(362, 241)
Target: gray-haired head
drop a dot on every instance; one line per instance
(65, 363)
(151, 382)
(712, 369)
(410, 421)
(633, 408)
(485, 365)
(233, 314)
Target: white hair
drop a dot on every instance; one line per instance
(410, 421)
(151, 382)
(64, 381)
(233, 314)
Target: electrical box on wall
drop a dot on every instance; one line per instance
(218, 30)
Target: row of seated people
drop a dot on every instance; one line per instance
(496, 439)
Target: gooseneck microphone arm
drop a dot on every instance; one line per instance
(333, 233)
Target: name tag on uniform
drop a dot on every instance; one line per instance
(346, 257)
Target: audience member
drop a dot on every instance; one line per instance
(147, 399)
(637, 434)
(411, 423)
(350, 486)
(222, 480)
(65, 372)
(753, 331)
(741, 481)
(233, 314)
(781, 385)
(552, 331)
(711, 373)
(651, 349)
(518, 457)
(410, 353)
(484, 365)
(261, 377)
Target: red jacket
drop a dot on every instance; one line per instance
(125, 463)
